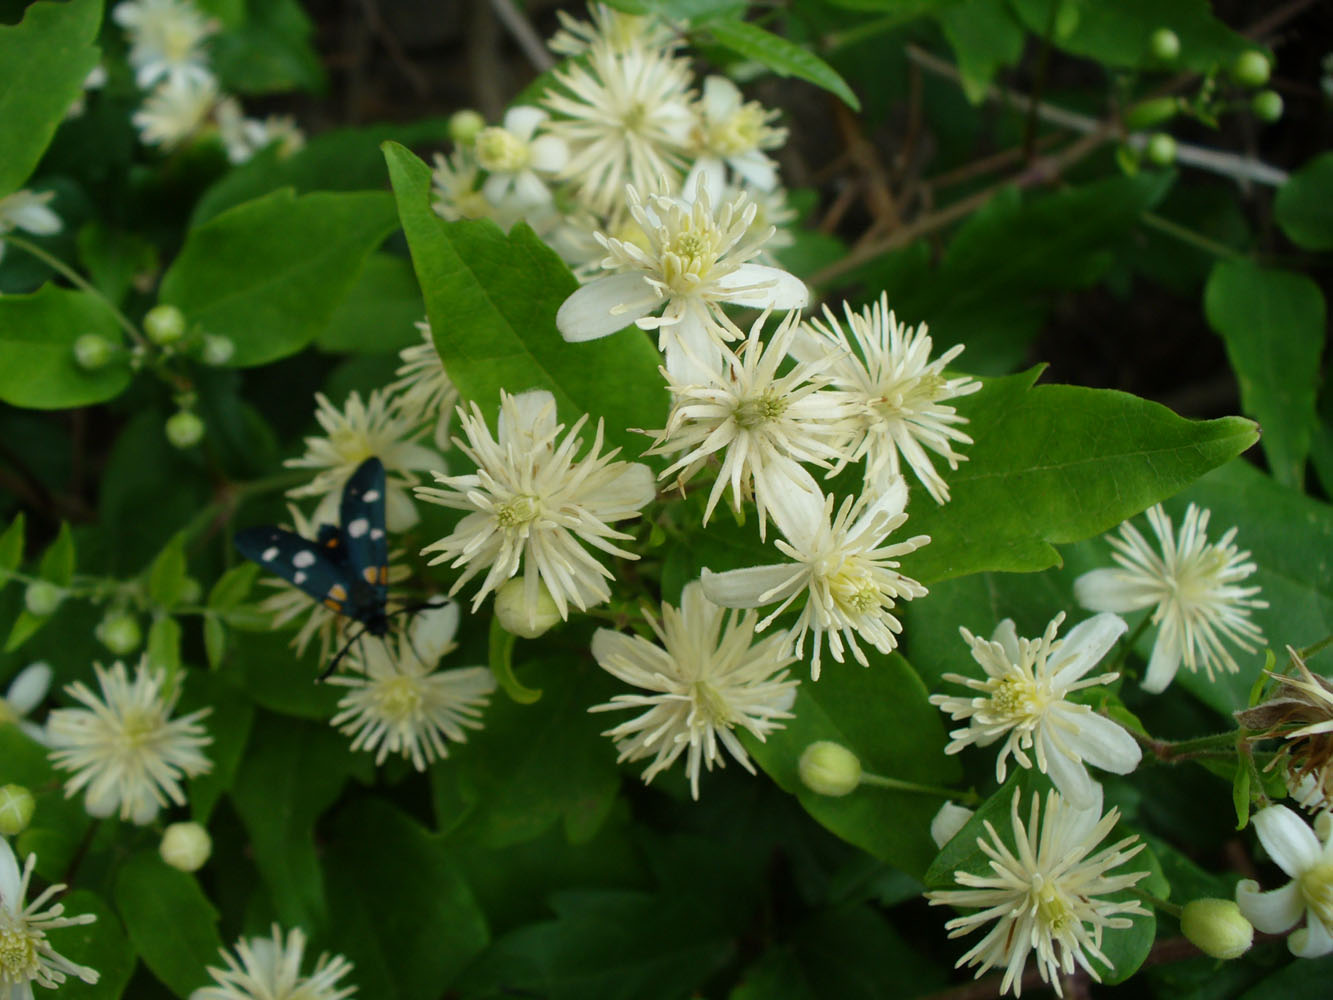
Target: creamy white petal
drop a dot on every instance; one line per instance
(1289, 842)
(522, 120)
(1311, 941)
(1106, 744)
(1071, 779)
(759, 286)
(752, 586)
(1110, 590)
(1162, 665)
(1271, 912)
(1085, 644)
(1006, 634)
(29, 688)
(604, 306)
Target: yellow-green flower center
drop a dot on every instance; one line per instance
(516, 512)
(138, 728)
(500, 152)
(1052, 910)
(740, 133)
(1317, 890)
(713, 708)
(756, 410)
(1014, 699)
(911, 396)
(399, 699)
(18, 952)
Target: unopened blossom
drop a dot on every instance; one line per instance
(361, 430)
(1046, 894)
(706, 679)
(27, 956)
(1307, 857)
(1192, 585)
(693, 259)
(424, 390)
(759, 421)
(456, 186)
(733, 133)
(270, 969)
(175, 111)
(615, 29)
(515, 157)
(1299, 711)
(400, 702)
(840, 563)
(899, 394)
(166, 40)
(1023, 699)
(534, 504)
(26, 691)
(625, 116)
(124, 748)
(27, 210)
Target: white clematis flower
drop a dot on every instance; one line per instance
(692, 260)
(270, 969)
(1307, 856)
(513, 156)
(1023, 700)
(26, 692)
(732, 132)
(26, 954)
(27, 210)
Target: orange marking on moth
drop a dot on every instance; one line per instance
(333, 605)
(338, 592)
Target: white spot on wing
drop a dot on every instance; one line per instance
(358, 527)
(370, 496)
(376, 534)
(303, 560)
(299, 578)
(270, 553)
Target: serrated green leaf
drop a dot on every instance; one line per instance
(492, 301)
(388, 905)
(37, 335)
(11, 544)
(1304, 208)
(1055, 464)
(232, 587)
(170, 921)
(166, 576)
(1273, 325)
(784, 57)
(43, 61)
(881, 714)
(269, 274)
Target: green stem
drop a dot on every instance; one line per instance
(965, 796)
(502, 664)
(56, 264)
(1186, 235)
(1156, 902)
(842, 39)
(1128, 644)
(1319, 646)
(1217, 745)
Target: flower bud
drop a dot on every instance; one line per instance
(184, 429)
(1151, 112)
(829, 768)
(93, 351)
(217, 349)
(511, 608)
(465, 125)
(1164, 44)
(164, 325)
(1217, 928)
(1161, 150)
(186, 846)
(948, 821)
(1266, 105)
(1251, 69)
(16, 808)
(119, 633)
(42, 598)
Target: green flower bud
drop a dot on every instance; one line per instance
(511, 607)
(1251, 69)
(1217, 928)
(217, 349)
(465, 125)
(119, 633)
(1151, 112)
(16, 809)
(1266, 105)
(829, 768)
(1164, 44)
(184, 429)
(186, 846)
(164, 325)
(1161, 150)
(42, 598)
(93, 351)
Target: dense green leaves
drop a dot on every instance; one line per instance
(985, 37)
(269, 274)
(37, 335)
(1273, 325)
(492, 301)
(881, 714)
(1055, 464)
(784, 57)
(169, 920)
(43, 61)
(1304, 209)
(101, 945)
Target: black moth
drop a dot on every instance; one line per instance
(345, 568)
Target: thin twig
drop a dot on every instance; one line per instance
(524, 34)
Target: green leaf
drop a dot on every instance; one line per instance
(229, 721)
(1054, 464)
(380, 312)
(1273, 325)
(113, 257)
(164, 645)
(43, 61)
(101, 945)
(215, 641)
(1117, 33)
(170, 921)
(782, 56)
(492, 301)
(291, 773)
(269, 274)
(37, 334)
(881, 714)
(402, 910)
(166, 577)
(985, 37)
(1303, 207)
(59, 558)
(232, 587)
(270, 52)
(11, 544)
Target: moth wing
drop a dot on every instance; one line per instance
(310, 566)
(363, 531)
